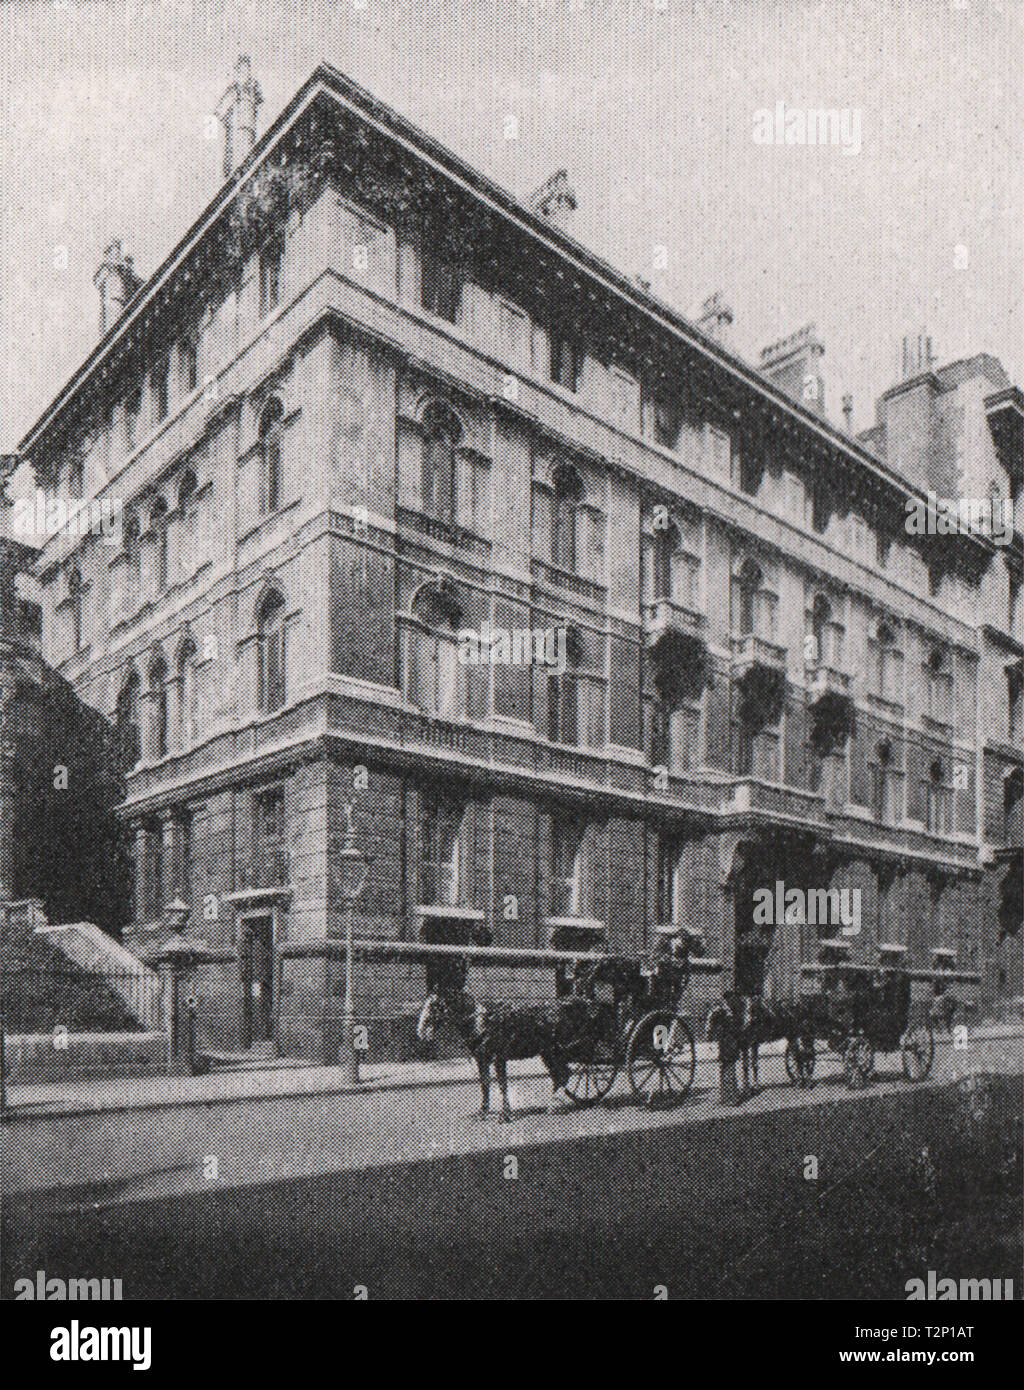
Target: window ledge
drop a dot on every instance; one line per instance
(462, 914)
(270, 517)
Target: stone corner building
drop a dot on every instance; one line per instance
(370, 401)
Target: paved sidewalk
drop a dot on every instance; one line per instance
(96, 1095)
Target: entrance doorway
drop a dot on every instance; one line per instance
(256, 958)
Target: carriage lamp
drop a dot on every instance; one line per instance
(355, 863)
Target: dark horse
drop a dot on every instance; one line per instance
(742, 1022)
(497, 1033)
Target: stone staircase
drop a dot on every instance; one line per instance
(90, 949)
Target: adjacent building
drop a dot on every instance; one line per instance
(372, 404)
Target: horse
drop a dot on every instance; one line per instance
(742, 1022)
(495, 1034)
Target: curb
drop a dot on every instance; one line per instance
(20, 1114)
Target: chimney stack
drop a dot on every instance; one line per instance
(117, 282)
(237, 113)
(716, 318)
(555, 200)
(792, 364)
(917, 357)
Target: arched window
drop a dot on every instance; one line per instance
(158, 525)
(434, 678)
(745, 595)
(270, 431)
(442, 434)
(158, 704)
(188, 687)
(127, 721)
(77, 605)
(826, 632)
(568, 494)
(887, 664)
(271, 653)
(886, 786)
(667, 545)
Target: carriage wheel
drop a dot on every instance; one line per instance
(918, 1052)
(800, 1059)
(660, 1058)
(859, 1062)
(592, 1074)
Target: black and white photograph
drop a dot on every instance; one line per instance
(512, 665)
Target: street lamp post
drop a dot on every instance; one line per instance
(354, 866)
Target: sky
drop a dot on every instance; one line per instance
(652, 106)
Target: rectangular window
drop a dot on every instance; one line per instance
(938, 808)
(563, 709)
(568, 868)
(565, 362)
(665, 886)
(719, 453)
(270, 274)
(440, 286)
(1014, 686)
(188, 353)
(435, 680)
(514, 336)
(185, 855)
(132, 417)
(161, 389)
(666, 424)
(442, 867)
(155, 838)
(674, 737)
(625, 400)
(269, 859)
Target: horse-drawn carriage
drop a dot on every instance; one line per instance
(863, 1010)
(633, 1022)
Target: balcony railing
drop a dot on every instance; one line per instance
(827, 682)
(754, 653)
(664, 617)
